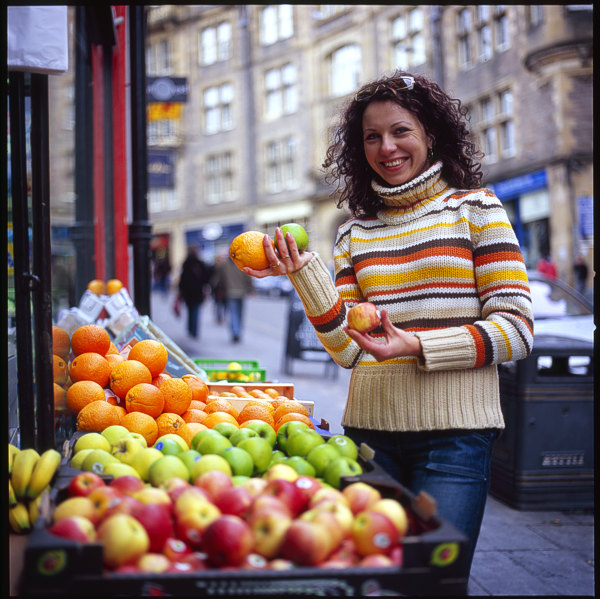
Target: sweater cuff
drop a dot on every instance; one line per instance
(314, 286)
(452, 348)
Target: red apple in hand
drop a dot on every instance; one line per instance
(374, 532)
(83, 484)
(227, 541)
(76, 528)
(363, 317)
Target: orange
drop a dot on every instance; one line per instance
(82, 393)
(121, 411)
(61, 342)
(112, 349)
(90, 337)
(138, 422)
(60, 370)
(158, 379)
(113, 285)
(271, 392)
(194, 415)
(196, 405)
(213, 419)
(259, 394)
(60, 397)
(151, 353)
(127, 374)
(199, 387)
(256, 413)
(240, 391)
(221, 405)
(96, 416)
(277, 401)
(247, 250)
(177, 393)
(293, 416)
(188, 430)
(145, 397)
(90, 366)
(96, 286)
(261, 402)
(169, 422)
(214, 396)
(290, 406)
(114, 359)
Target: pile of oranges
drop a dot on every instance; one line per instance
(103, 387)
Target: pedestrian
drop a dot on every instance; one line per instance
(162, 272)
(236, 285)
(437, 254)
(581, 274)
(217, 285)
(194, 277)
(547, 267)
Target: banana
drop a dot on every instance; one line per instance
(43, 472)
(34, 506)
(23, 465)
(12, 498)
(18, 517)
(13, 450)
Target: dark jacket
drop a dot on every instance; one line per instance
(195, 275)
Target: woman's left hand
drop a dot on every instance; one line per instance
(284, 262)
(397, 343)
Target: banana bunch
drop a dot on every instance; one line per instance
(30, 475)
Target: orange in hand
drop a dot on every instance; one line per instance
(247, 250)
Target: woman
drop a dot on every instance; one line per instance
(438, 256)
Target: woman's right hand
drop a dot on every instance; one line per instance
(281, 263)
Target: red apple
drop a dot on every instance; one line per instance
(336, 564)
(346, 551)
(104, 497)
(254, 561)
(363, 317)
(396, 555)
(361, 496)
(191, 524)
(327, 494)
(190, 497)
(373, 532)
(342, 513)
(227, 541)
(269, 530)
(281, 564)
(157, 521)
(154, 495)
(288, 493)
(175, 549)
(121, 505)
(214, 482)
(395, 511)
(76, 506)
(83, 484)
(376, 560)
(306, 543)
(174, 486)
(127, 484)
(194, 561)
(255, 485)
(326, 521)
(153, 562)
(308, 485)
(123, 539)
(235, 501)
(268, 504)
(76, 528)
(127, 569)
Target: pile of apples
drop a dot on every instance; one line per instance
(278, 521)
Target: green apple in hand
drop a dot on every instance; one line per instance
(298, 233)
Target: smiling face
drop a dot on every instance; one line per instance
(395, 142)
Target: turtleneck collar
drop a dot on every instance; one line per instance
(412, 194)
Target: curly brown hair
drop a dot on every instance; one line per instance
(443, 118)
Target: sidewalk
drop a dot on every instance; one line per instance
(519, 552)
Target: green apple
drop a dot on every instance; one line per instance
(341, 466)
(168, 446)
(264, 430)
(226, 429)
(286, 430)
(117, 470)
(126, 448)
(97, 460)
(301, 442)
(345, 446)
(189, 457)
(144, 459)
(114, 432)
(241, 434)
(260, 450)
(79, 457)
(209, 462)
(199, 437)
(298, 233)
(320, 456)
(91, 441)
(140, 438)
(280, 470)
(300, 465)
(176, 438)
(239, 459)
(212, 444)
(239, 479)
(167, 467)
(277, 457)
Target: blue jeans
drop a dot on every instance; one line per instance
(235, 308)
(193, 310)
(452, 466)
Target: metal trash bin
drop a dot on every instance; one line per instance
(545, 457)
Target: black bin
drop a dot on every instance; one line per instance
(544, 459)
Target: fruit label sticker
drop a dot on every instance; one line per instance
(445, 554)
(52, 562)
(382, 540)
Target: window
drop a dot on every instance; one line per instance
(536, 15)
(276, 23)
(465, 30)
(219, 178)
(344, 70)
(408, 39)
(501, 28)
(497, 126)
(158, 59)
(161, 131)
(492, 31)
(217, 108)
(326, 11)
(281, 91)
(162, 198)
(215, 44)
(280, 165)
(484, 36)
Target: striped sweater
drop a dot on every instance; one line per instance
(446, 266)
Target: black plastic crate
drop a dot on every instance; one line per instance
(545, 457)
